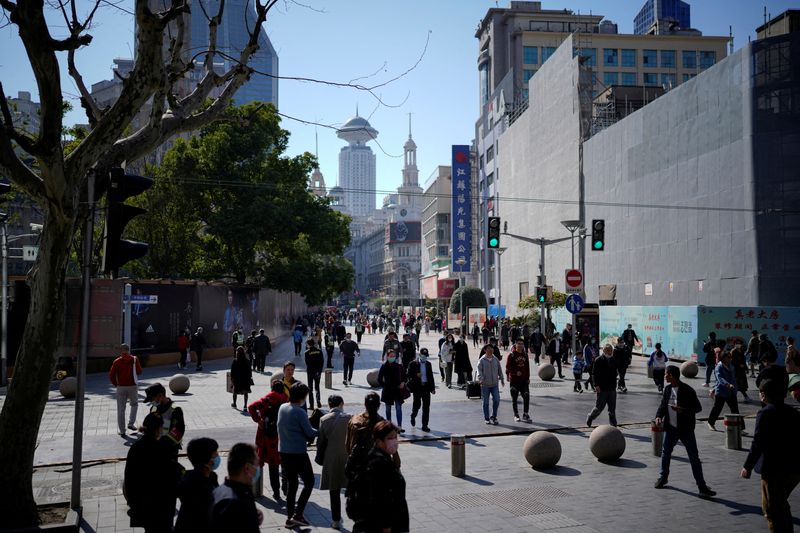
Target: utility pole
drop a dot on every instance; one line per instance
(573, 226)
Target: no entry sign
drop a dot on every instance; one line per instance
(573, 280)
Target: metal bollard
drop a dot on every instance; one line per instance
(733, 431)
(657, 437)
(457, 455)
(328, 378)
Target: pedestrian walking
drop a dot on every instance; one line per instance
(461, 363)
(391, 343)
(196, 488)
(408, 350)
(387, 509)
(604, 377)
(261, 348)
(724, 389)
(676, 413)
(241, 376)
(578, 365)
(249, 348)
(314, 363)
(359, 330)
(171, 415)
(566, 338)
(490, 376)
(518, 372)
(504, 335)
(198, 344)
(708, 350)
(555, 350)
(753, 358)
(184, 341)
(332, 455)
(151, 479)
(630, 338)
(658, 363)
(447, 352)
(264, 412)
(476, 335)
(622, 357)
(294, 434)
(234, 504)
(349, 350)
(236, 338)
(772, 370)
(123, 375)
(589, 357)
(330, 346)
(297, 337)
(359, 430)
(775, 441)
(792, 357)
(392, 379)
(739, 364)
(421, 384)
(766, 348)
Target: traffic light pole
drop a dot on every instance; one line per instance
(542, 242)
(4, 312)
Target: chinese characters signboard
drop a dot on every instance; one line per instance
(461, 209)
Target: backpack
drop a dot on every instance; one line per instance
(271, 420)
(357, 494)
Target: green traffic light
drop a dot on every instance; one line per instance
(598, 245)
(493, 242)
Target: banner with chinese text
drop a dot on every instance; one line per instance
(461, 209)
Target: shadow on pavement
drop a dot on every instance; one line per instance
(737, 508)
(478, 481)
(86, 528)
(559, 470)
(625, 463)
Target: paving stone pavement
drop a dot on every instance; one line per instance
(500, 493)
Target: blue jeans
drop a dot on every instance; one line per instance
(495, 392)
(398, 408)
(671, 438)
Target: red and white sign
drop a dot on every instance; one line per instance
(573, 281)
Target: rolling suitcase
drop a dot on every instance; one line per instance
(473, 389)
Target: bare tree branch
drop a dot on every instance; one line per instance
(93, 112)
(25, 141)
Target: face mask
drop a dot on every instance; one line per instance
(391, 446)
(423, 358)
(216, 463)
(391, 359)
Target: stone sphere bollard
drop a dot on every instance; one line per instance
(372, 378)
(689, 369)
(607, 443)
(542, 449)
(179, 384)
(68, 387)
(547, 372)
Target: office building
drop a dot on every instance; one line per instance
(786, 22)
(662, 15)
(514, 45)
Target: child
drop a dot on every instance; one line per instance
(577, 370)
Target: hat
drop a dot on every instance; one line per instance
(154, 390)
(423, 351)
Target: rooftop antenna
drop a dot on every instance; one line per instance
(356, 108)
(730, 42)
(409, 125)
(316, 143)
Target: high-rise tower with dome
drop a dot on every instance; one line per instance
(357, 167)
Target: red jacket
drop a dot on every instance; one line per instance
(121, 373)
(518, 367)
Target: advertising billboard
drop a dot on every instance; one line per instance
(400, 232)
(461, 209)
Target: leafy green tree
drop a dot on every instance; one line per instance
(229, 204)
(472, 296)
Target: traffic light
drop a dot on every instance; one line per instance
(541, 295)
(116, 250)
(493, 234)
(598, 235)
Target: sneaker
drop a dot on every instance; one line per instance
(426, 429)
(516, 418)
(336, 524)
(494, 421)
(233, 405)
(122, 433)
(132, 427)
(706, 492)
(580, 391)
(402, 430)
(290, 523)
(300, 520)
(662, 481)
(705, 384)
(488, 422)
(344, 383)
(625, 390)
(526, 417)
(244, 410)
(711, 426)
(413, 421)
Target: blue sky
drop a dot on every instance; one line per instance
(340, 40)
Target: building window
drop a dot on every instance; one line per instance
(649, 58)
(610, 78)
(483, 71)
(547, 51)
(668, 81)
(530, 55)
(490, 179)
(480, 162)
(629, 78)
(689, 59)
(668, 59)
(687, 77)
(610, 57)
(527, 74)
(628, 57)
(589, 55)
(524, 94)
(707, 59)
(490, 153)
(650, 79)
(442, 251)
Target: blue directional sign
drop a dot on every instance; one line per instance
(574, 303)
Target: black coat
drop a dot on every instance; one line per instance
(687, 399)
(196, 493)
(409, 351)
(234, 509)
(604, 373)
(388, 507)
(775, 438)
(461, 363)
(390, 377)
(151, 482)
(261, 345)
(415, 378)
(551, 347)
(314, 360)
(242, 376)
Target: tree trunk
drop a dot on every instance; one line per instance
(28, 391)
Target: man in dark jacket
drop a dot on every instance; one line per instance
(421, 385)
(566, 338)
(349, 349)
(262, 348)
(679, 405)
(197, 344)
(775, 439)
(518, 372)
(752, 353)
(629, 337)
(314, 363)
(622, 356)
(711, 358)
(408, 350)
(234, 505)
(555, 350)
(196, 489)
(604, 377)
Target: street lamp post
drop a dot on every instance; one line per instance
(572, 226)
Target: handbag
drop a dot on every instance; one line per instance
(319, 458)
(405, 394)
